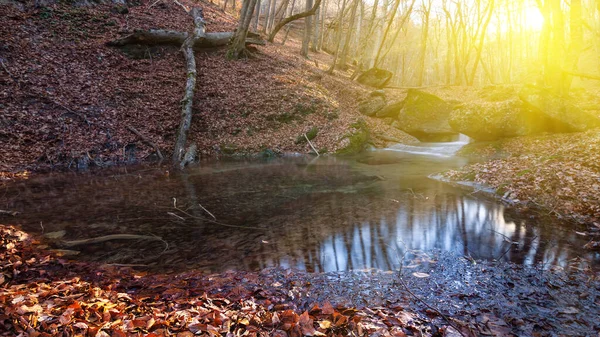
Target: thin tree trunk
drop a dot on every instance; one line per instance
(339, 39)
(344, 58)
(314, 43)
(385, 33)
(272, 15)
(256, 16)
(287, 30)
(267, 12)
(479, 48)
(576, 45)
(307, 30)
(423, 52)
(323, 12)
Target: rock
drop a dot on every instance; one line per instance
(565, 115)
(495, 120)
(424, 115)
(377, 93)
(374, 77)
(371, 105)
(390, 110)
(356, 140)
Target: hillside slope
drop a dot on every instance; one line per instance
(68, 100)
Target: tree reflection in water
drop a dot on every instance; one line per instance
(318, 215)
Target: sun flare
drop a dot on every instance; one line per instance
(534, 20)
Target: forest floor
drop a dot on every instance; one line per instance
(68, 99)
(434, 295)
(558, 173)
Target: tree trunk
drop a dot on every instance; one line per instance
(344, 58)
(426, 9)
(314, 43)
(307, 30)
(190, 86)
(322, 30)
(267, 13)
(293, 18)
(576, 45)
(256, 16)
(387, 30)
(339, 38)
(479, 48)
(238, 46)
(272, 15)
(287, 31)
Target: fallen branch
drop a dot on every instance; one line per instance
(109, 238)
(147, 141)
(294, 17)
(311, 145)
(11, 213)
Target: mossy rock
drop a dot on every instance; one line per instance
(357, 140)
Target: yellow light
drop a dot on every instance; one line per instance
(534, 20)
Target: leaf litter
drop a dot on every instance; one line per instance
(45, 295)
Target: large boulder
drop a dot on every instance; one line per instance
(374, 77)
(390, 110)
(371, 105)
(564, 114)
(425, 115)
(494, 120)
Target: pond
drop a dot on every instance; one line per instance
(310, 213)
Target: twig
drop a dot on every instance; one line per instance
(215, 222)
(182, 6)
(11, 213)
(154, 3)
(209, 213)
(311, 145)
(147, 141)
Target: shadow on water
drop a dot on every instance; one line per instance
(315, 214)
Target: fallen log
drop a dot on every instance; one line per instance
(190, 86)
(174, 38)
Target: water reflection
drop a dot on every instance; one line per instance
(319, 215)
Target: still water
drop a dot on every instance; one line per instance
(314, 214)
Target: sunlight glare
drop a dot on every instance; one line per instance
(534, 20)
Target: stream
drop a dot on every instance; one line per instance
(316, 214)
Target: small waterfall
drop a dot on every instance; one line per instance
(438, 149)
(463, 138)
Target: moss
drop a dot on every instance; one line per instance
(502, 189)
(229, 149)
(469, 176)
(311, 134)
(358, 139)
